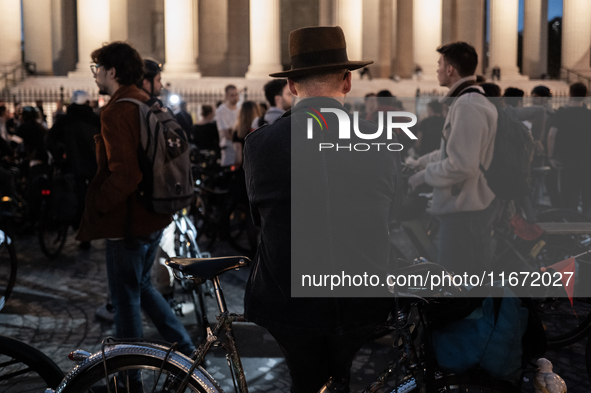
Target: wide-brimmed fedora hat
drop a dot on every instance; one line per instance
(315, 50)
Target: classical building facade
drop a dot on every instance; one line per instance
(249, 37)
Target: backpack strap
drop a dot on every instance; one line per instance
(475, 90)
(471, 90)
(132, 100)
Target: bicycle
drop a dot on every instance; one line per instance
(52, 226)
(8, 265)
(25, 369)
(185, 245)
(566, 234)
(163, 369)
(36, 205)
(221, 208)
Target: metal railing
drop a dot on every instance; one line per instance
(51, 98)
(11, 75)
(572, 76)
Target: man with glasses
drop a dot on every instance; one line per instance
(113, 211)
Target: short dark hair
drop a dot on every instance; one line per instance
(513, 92)
(229, 87)
(124, 58)
(436, 106)
(206, 110)
(384, 93)
(460, 56)
(541, 91)
(578, 90)
(491, 89)
(274, 88)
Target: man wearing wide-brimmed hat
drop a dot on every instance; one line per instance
(325, 209)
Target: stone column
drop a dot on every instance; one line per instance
(386, 37)
(325, 12)
(470, 27)
(370, 43)
(37, 29)
(10, 31)
(180, 37)
(535, 38)
(119, 21)
(404, 64)
(576, 34)
(93, 30)
(449, 31)
(427, 28)
(265, 39)
(503, 38)
(349, 15)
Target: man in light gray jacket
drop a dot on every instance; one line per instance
(462, 199)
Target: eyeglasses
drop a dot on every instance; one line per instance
(94, 68)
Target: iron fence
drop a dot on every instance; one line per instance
(50, 99)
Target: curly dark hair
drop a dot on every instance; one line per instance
(124, 58)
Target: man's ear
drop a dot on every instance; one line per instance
(146, 85)
(450, 70)
(292, 87)
(347, 83)
(112, 73)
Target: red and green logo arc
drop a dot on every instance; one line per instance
(316, 117)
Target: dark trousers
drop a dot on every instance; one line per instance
(313, 359)
(466, 240)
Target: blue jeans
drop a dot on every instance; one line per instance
(466, 240)
(130, 284)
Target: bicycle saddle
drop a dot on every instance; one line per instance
(207, 267)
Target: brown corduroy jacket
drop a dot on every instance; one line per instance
(113, 189)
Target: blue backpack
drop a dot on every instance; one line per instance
(490, 338)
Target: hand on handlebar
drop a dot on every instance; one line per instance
(417, 179)
(411, 162)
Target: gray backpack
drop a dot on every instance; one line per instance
(164, 159)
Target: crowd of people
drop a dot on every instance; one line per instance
(454, 147)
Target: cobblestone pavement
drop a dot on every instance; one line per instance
(54, 302)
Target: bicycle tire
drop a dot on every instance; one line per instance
(26, 369)
(8, 266)
(52, 233)
(588, 357)
(472, 382)
(564, 324)
(147, 359)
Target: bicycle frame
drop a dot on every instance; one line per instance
(224, 324)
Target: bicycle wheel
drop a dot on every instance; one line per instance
(473, 383)
(25, 369)
(465, 383)
(147, 361)
(52, 233)
(563, 324)
(8, 266)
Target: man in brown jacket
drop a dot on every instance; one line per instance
(113, 211)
